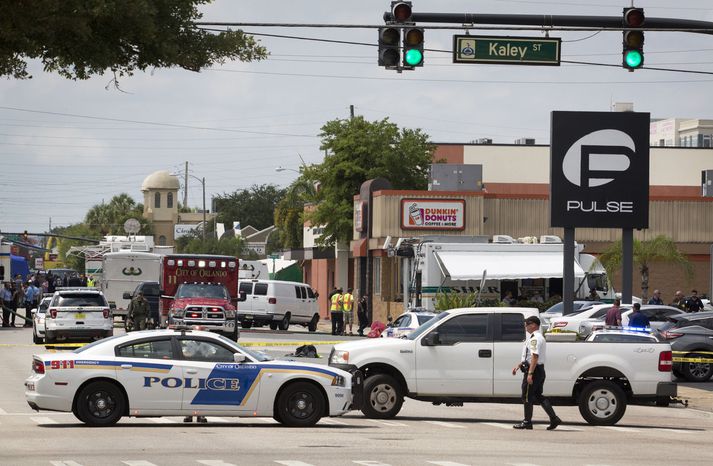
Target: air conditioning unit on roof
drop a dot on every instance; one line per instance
(503, 239)
(550, 239)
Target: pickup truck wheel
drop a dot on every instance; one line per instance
(312, 326)
(100, 404)
(697, 371)
(602, 403)
(300, 404)
(285, 322)
(383, 399)
(246, 324)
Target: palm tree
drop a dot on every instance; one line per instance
(659, 249)
(289, 212)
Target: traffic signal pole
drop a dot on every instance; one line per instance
(548, 21)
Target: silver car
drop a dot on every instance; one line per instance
(38, 320)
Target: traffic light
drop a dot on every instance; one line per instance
(389, 47)
(413, 47)
(633, 41)
(401, 12)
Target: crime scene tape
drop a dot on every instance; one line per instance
(689, 356)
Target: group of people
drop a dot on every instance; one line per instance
(18, 294)
(341, 311)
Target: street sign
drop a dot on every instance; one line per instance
(504, 50)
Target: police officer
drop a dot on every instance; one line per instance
(348, 307)
(532, 364)
(694, 303)
(138, 311)
(335, 311)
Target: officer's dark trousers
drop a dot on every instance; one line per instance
(532, 394)
(337, 321)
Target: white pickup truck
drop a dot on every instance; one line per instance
(467, 355)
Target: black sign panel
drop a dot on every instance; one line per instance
(599, 170)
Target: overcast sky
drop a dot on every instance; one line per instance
(66, 145)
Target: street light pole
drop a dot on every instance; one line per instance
(204, 222)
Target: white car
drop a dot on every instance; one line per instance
(571, 322)
(38, 320)
(658, 315)
(173, 372)
(407, 323)
(78, 313)
(622, 336)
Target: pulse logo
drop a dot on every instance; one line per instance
(589, 162)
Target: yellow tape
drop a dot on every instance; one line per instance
(698, 360)
(246, 343)
(692, 352)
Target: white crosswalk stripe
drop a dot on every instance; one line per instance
(521, 464)
(446, 424)
(2, 411)
(266, 420)
(499, 425)
(215, 463)
(371, 463)
(332, 422)
(446, 463)
(160, 420)
(620, 429)
(387, 423)
(64, 463)
(222, 419)
(138, 463)
(677, 431)
(293, 463)
(43, 420)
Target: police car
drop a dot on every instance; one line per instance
(407, 323)
(178, 372)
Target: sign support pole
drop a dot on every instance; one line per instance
(627, 265)
(568, 272)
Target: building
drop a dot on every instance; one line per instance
(679, 132)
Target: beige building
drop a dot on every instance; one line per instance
(161, 207)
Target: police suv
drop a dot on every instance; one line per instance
(176, 372)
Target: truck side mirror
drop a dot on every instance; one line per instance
(431, 339)
(126, 295)
(242, 296)
(112, 306)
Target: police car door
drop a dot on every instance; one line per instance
(212, 381)
(457, 358)
(147, 370)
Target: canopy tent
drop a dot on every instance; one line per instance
(469, 265)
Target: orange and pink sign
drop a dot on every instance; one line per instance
(433, 214)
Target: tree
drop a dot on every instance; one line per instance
(254, 206)
(194, 244)
(79, 230)
(659, 249)
(81, 38)
(359, 150)
(289, 213)
(105, 219)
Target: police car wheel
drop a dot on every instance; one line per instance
(383, 399)
(100, 404)
(300, 404)
(35, 339)
(273, 325)
(602, 403)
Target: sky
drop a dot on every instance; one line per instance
(68, 145)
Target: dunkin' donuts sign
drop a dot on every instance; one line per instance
(433, 214)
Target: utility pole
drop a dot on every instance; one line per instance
(351, 112)
(185, 186)
(204, 222)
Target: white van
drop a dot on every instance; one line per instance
(278, 304)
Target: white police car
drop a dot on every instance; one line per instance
(407, 323)
(174, 372)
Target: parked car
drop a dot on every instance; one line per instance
(152, 293)
(691, 337)
(657, 314)
(407, 323)
(38, 320)
(572, 322)
(622, 336)
(555, 311)
(277, 303)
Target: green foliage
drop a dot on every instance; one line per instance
(659, 249)
(108, 219)
(254, 206)
(81, 38)
(358, 150)
(448, 300)
(79, 230)
(289, 213)
(192, 244)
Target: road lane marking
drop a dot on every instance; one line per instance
(43, 420)
(620, 429)
(446, 463)
(293, 463)
(332, 422)
(64, 463)
(387, 423)
(499, 425)
(160, 420)
(677, 431)
(2, 411)
(266, 420)
(371, 463)
(446, 424)
(215, 463)
(219, 419)
(138, 463)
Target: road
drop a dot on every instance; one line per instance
(422, 434)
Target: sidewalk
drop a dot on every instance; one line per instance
(698, 398)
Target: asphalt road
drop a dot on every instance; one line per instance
(422, 434)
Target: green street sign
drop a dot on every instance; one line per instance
(506, 50)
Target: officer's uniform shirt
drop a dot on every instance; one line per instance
(535, 344)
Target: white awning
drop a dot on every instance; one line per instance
(461, 265)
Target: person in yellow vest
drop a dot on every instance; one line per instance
(348, 307)
(90, 281)
(335, 311)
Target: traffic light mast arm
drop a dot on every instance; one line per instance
(546, 21)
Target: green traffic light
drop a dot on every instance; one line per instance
(413, 57)
(633, 59)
